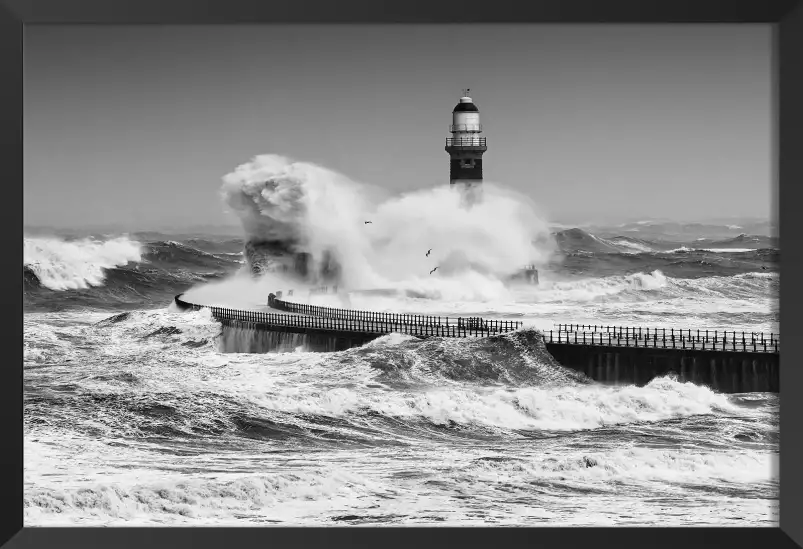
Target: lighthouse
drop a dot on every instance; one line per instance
(466, 146)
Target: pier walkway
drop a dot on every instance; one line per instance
(305, 318)
(724, 360)
(448, 326)
(370, 323)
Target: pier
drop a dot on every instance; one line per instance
(329, 329)
(727, 361)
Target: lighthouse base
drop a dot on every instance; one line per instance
(528, 275)
(470, 191)
(280, 257)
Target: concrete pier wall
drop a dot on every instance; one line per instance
(253, 337)
(724, 371)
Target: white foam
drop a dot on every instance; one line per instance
(69, 265)
(93, 465)
(684, 249)
(728, 250)
(319, 210)
(635, 246)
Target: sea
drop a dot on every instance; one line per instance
(134, 416)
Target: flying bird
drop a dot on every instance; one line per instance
(433, 270)
(367, 222)
(428, 251)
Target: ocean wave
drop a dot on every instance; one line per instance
(78, 264)
(728, 250)
(323, 494)
(123, 272)
(685, 249)
(500, 383)
(682, 263)
(59, 273)
(577, 240)
(656, 285)
(342, 414)
(524, 409)
(635, 245)
(596, 288)
(754, 241)
(516, 358)
(185, 434)
(628, 465)
(209, 498)
(176, 254)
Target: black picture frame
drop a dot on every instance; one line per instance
(787, 19)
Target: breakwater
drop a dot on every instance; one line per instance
(727, 361)
(326, 329)
(730, 362)
(448, 326)
(667, 338)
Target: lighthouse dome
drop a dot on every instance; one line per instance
(466, 105)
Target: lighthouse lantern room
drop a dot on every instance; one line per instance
(466, 145)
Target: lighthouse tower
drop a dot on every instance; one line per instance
(465, 147)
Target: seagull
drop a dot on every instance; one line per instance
(367, 222)
(433, 270)
(429, 251)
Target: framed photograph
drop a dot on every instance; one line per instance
(321, 273)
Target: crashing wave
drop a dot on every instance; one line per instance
(77, 264)
(316, 225)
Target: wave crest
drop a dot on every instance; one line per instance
(517, 358)
(77, 264)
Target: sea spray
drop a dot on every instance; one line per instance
(243, 291)
(290, 207)
(77, 264)
(297, 207)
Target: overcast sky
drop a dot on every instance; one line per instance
(136, 125)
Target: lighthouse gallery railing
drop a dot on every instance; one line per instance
(466, 141)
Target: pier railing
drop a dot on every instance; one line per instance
(358, 325)
(660, 338)
(342, 320)
(475, 324)
(702, 336)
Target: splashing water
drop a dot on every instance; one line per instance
(300, 207)
(140, 419)
(79, 264)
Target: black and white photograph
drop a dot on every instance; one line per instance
(400, 275)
